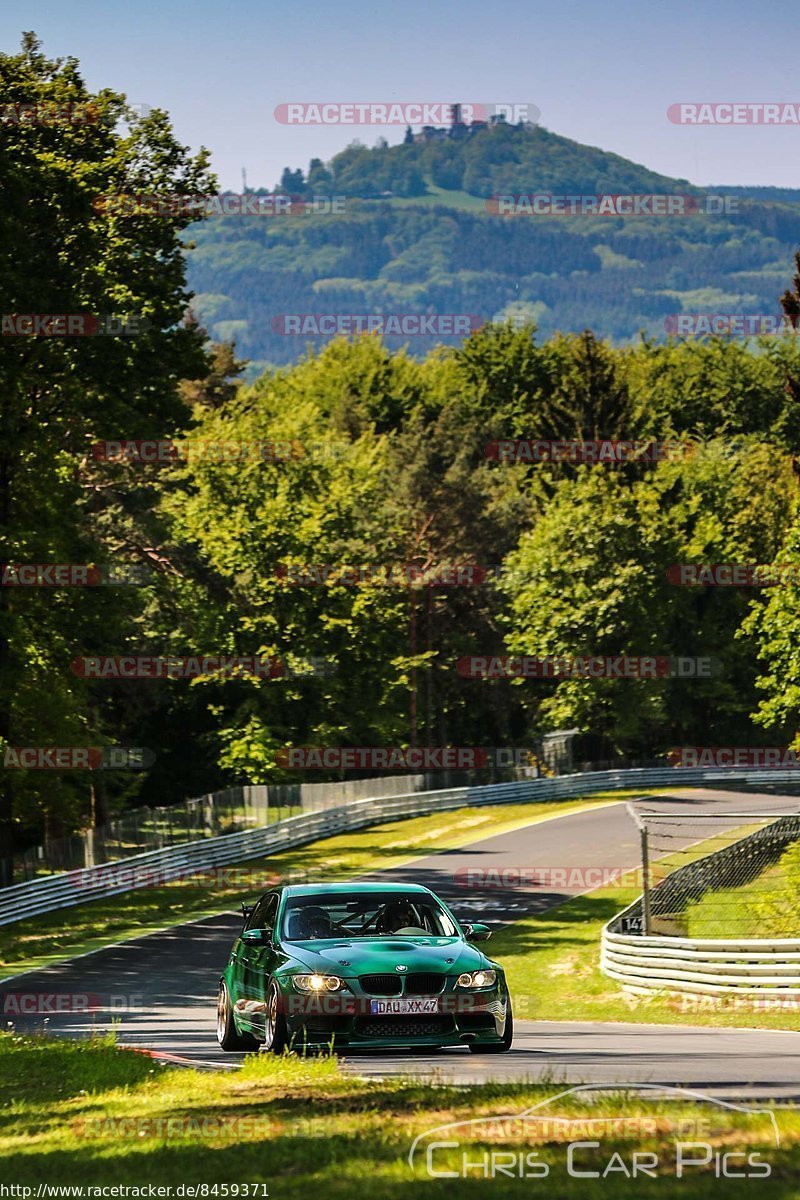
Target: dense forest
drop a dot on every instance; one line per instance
(418, 233)
(361, 456)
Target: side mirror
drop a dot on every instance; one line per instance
(257, 937)
(477, 933)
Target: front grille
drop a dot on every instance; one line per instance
(381, 985)
(424, 985)
(403, 1027)
(419, 984)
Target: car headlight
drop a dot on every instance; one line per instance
(477, 979)
(317, 983)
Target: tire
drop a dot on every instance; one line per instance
(500, 1047)
(228, 1036)
(275, 1030)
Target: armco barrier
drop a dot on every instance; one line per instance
(768, 967)
(712, 966)
(229, 810)
(76, 887)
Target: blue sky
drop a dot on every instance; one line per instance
(601, 74)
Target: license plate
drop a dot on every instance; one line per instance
(404, 1007)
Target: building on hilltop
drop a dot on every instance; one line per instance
(457, 128)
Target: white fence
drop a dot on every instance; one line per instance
(142, 870)
(712, 966)
(141, 830)
(768, 967)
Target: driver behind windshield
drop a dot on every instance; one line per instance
(309, 923)
(383, 915)
(396, 916)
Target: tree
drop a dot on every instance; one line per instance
(219, 384)
(292, 182)
(58, 395)
(319, 177)
(790, 300)
(591, 579)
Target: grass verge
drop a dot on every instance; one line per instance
(767, 906)
(43, 940)
(552, 961)
(84, 1113)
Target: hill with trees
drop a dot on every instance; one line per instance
(199, 555)
(419, 234)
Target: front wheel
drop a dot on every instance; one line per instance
(228, 1036)
(275, 1033)
(498, 1047)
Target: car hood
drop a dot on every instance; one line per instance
(361, 956)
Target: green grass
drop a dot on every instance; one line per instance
(435, 197)
(308, 1130)
(553, 966)
(765, 907)
(733, 912)
(449, 197)
(55, 936)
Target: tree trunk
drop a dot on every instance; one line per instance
(412, 637)
(6, 692)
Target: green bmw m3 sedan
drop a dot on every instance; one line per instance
(360, 965)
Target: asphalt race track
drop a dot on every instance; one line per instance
(162, 988)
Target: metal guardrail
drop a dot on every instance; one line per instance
(768, 967)
(712, 966)
(56, 892)
(230, 810)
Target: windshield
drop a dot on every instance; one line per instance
(374, 914)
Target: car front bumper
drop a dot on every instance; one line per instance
(459, 1019)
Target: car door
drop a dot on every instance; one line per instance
(256, 959)
(237, 962)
